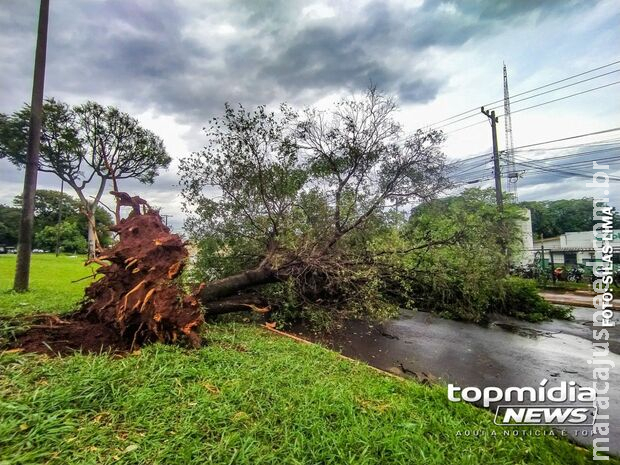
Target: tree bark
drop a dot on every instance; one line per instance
(242, 303)
(228, 286)
(92, 234)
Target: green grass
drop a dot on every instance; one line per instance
(51, 289)
(247, 397)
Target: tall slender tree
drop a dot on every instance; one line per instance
(22, 271)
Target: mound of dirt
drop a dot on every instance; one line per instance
(137, 300)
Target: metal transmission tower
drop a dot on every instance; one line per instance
(511, 174)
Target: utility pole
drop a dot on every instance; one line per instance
(24, 252)
(511, 175)
(498, 180)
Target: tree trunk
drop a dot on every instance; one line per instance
(241, 303)
(92, 234)
(228, 286)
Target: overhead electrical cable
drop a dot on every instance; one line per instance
(476, 109)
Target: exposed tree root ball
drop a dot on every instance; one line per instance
(137, 294)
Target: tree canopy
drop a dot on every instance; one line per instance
(47, 205)
(554, 217)
(86, 146)
(293, 198)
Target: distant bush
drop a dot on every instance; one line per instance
(519, 297)
(471, 298)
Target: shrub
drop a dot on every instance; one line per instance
(519, 297)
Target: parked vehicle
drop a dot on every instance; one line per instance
(575, 274)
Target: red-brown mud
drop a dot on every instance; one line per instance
(55, 336)
(136, 301)
(138, 294)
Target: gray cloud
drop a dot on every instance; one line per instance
(508, 9)
(185, 59)
(139, 51)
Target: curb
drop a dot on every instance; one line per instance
(305, 341)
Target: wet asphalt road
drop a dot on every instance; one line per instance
(507, 353)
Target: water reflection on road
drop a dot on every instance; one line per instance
(506, 353)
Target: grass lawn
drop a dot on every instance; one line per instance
(51, 289)
(247, 397)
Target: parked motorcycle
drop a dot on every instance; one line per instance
(575, 274)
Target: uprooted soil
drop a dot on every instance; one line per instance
(138, 294)
(55, 336)
(136, 301)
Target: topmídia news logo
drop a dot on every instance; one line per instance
(563, 405)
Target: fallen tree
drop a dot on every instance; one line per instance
(296, 196)
(300, 202)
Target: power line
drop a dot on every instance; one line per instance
(462, 160)
(600, 143)
(574, 164)
(604, 131)
(520, 148)
(577, 154)
(473, 171)
(560, 88)
(465, 127)
(565, 97)
(530, 97)
(555, 170)
(538, 105)
(474, 167)
(557, 82)
(476, 109)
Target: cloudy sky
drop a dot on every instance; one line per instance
(173, 65)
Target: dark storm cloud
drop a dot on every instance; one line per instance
(167, 56)
(111, 48)
(139, 52)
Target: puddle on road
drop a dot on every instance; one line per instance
(524, 331)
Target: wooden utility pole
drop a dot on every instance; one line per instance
(24, 252)
(498, 180)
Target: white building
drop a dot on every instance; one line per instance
(572, 248)
(527, 254)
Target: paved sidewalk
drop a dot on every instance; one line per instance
(574, 299)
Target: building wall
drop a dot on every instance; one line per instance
(527, 239)
(579, 243)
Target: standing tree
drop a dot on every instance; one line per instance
(554, 217)
(47, 206)
(9, 225)
(66, 236)
(86, 147)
